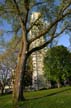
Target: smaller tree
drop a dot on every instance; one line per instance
(57, 64)
(4, 74)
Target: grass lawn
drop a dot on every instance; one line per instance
(52, 98)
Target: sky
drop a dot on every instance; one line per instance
(62, 40)
(7, 27)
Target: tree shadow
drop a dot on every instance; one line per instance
(51, 94)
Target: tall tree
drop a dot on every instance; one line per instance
(17, 13)
(57, 64)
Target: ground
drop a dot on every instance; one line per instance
(52, 98)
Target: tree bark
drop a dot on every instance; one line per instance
(19, 74)
(22, 81)
(2, 90)
(58, 84)
(21, 63)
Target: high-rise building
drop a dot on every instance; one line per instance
(38, 80)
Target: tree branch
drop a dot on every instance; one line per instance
(46, 43)
(26, 4)
(34, 23)
(37, 4)
(23, 26)
(66, 6)
(10, 50)
(54, 30)
(50, 26)
(19, 14)
(58, 34)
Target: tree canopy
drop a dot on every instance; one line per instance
(56, 13)
(57, 63)
(17, 15)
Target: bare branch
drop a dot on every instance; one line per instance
(19, 14)
(34, 23)
(45, 43)
(66, 6)
(58, 34)
(37, 4)
(26, 4)
(50, 26)
(24, 37)
(10, 50)
(54, 30)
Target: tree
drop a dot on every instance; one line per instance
(4, 75)
(17, 14)
(6, 67)
(57, 64)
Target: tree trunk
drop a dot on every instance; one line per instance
(2, 90)
(22, 82)
(19, 74)
(58, 84)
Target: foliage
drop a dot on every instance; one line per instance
(57, 63)
(17, 14)
(50, 10)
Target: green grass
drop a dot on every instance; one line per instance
(52, 98)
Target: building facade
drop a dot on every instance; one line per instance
(38, 80)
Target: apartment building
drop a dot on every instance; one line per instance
(38, 80)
